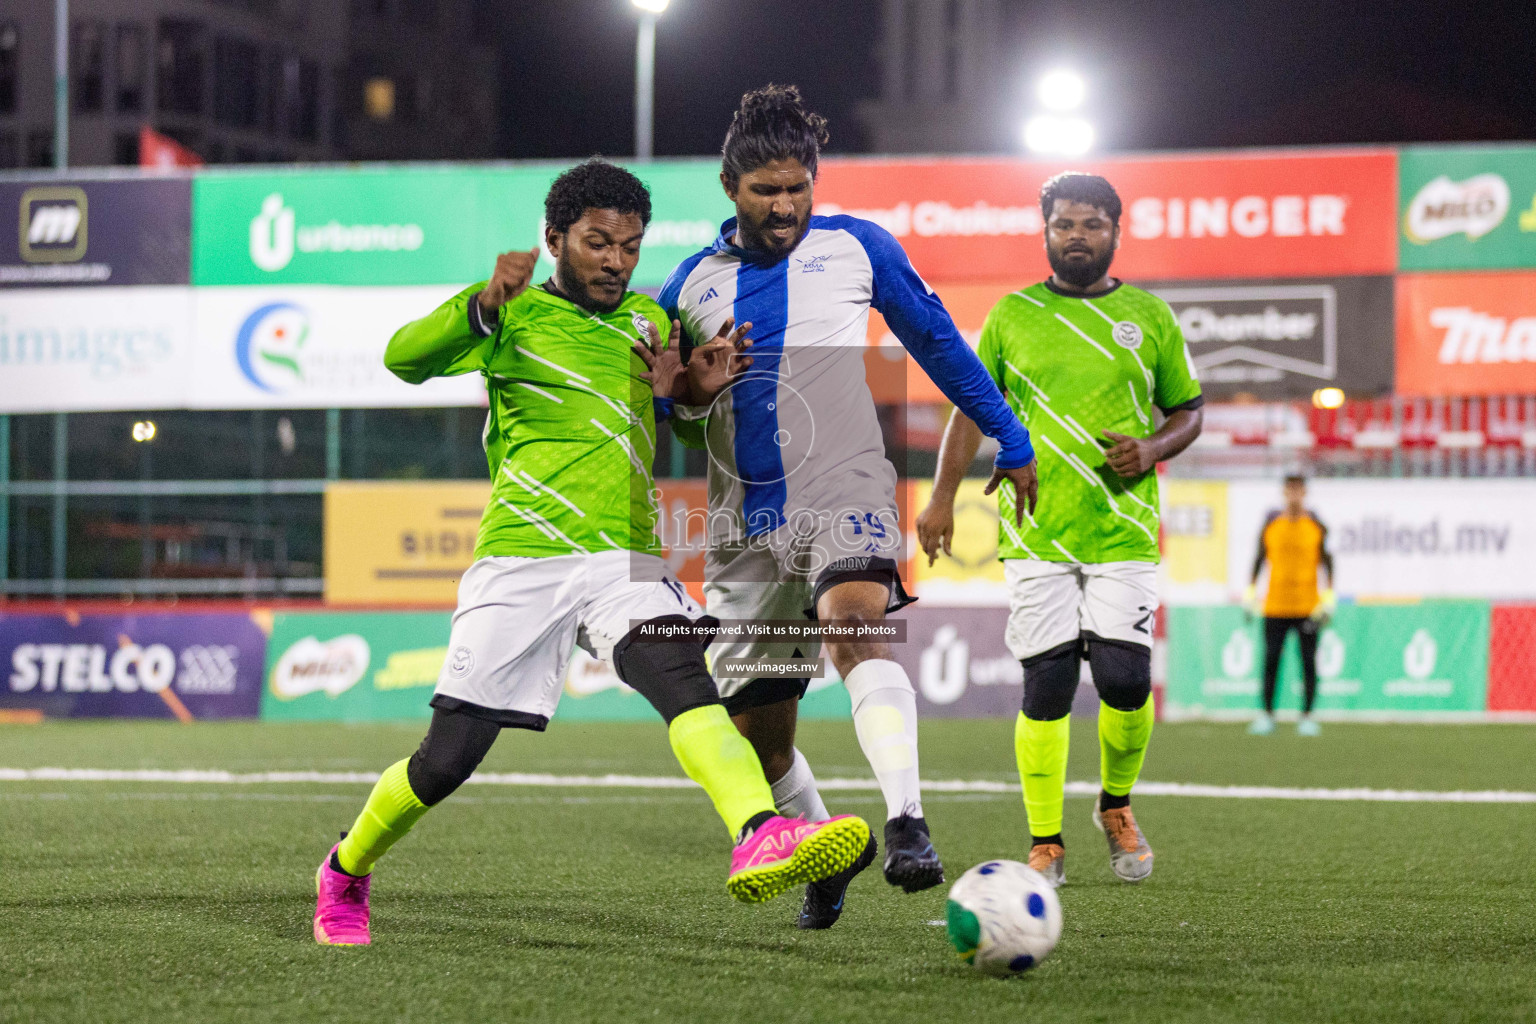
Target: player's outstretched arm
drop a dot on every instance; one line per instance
(452, 339)
(923, 326)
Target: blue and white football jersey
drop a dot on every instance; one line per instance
(799, 431)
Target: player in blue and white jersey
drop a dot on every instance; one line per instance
(802, 517)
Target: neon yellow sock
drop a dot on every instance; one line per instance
(718, 757)
(1041, 749)
(1123, 738)
(391, 810)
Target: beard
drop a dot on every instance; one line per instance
(1080, 273)
(757, 235)
(579, 292)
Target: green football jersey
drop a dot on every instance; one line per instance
(571, 432)
(1073, 367)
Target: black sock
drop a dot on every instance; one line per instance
(336, 866)
(1110, 802)
(1043, 840)
(753, 824)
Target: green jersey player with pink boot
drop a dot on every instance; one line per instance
(577, 374)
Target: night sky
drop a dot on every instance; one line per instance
(1162, 75)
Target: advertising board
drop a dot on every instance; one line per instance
(408, 542)
(1466, 334)
(95, 349)
(156, 665)
(69, 233)
(445, 224)
(1405, 538)
(1282, 339)
(1467, 207)
(1389, 659)
(383, 666)
(1263, 215)
(312, 346)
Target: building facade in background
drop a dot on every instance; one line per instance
(249, 81)
(941, 64)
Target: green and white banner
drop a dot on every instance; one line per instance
(1467, 207)
(383, 666)
(426, 225)
(1377, 659)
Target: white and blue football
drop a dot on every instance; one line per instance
(1003, 917)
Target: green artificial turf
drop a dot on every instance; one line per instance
(168, 903)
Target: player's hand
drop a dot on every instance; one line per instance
(1026, 488)
(713, 366)
(1250, 602)
(1323, 613)
(663, 365)
(1129, 457)
(509, 280)
(936, 528)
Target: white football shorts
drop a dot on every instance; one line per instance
(519, 621)
(1052, 603)
(776, 576)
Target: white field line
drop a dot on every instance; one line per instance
(1184, 789)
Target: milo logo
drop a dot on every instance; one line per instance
(1444, 207)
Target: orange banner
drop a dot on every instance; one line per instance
(1466, 334)
(1300, 214)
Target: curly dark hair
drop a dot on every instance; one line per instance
(594, 184)
(772, 124)
(1077, 187)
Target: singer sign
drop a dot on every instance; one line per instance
(1273, 215)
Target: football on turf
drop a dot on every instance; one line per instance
(1003, 917)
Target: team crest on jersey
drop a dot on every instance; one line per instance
(814, 265)
(1127, 335)
(642, 325)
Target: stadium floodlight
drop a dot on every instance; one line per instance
(1062, 90)
(645, 74)
(1049, 134)
(143, 430)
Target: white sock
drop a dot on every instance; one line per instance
(885, 718)
(795, 794)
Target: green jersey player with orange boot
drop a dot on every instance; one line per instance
(1090, 363)
(567, 554)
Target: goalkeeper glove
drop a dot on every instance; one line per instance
(1326, 604)
(1251, 600)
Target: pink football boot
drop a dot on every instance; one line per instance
(785, 852)
(341, 907)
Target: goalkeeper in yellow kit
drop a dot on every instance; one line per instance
(1295, 544)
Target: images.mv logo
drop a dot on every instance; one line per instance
(52, 224)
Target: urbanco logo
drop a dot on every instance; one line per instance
(1237, 655)
(276, 236)
(272, 234)
(1331, 653)
(268, 346)
(1444, 207)
(1420, 655)
(944, 667)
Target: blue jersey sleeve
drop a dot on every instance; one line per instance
(922, 324)
(689, 430)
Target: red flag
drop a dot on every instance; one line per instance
(162, 151)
